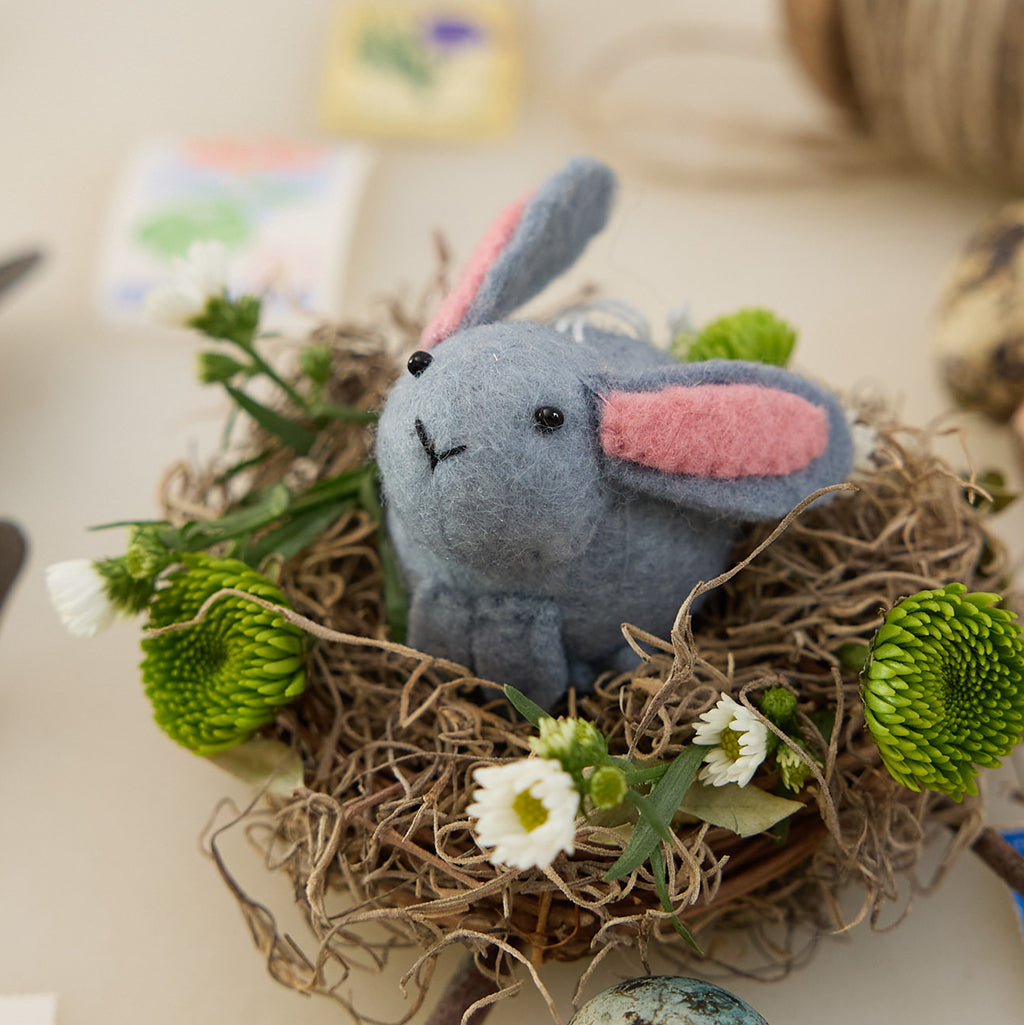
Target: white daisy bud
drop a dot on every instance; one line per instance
(79, 594)
(201, 276)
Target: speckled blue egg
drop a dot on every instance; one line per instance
(666, 1000)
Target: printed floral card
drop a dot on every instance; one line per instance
(284, 212)
(423, 69)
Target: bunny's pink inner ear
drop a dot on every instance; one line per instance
(722, 431)
(450, 314)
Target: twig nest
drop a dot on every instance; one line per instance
(666, 1000)
(979, 329)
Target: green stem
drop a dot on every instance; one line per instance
(264, 367)
(652, 774)
(637, 776)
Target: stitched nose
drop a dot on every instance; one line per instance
(428, 446)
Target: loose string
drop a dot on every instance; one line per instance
(937, 84)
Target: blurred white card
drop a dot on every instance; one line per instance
(285, 211)
(34, 1009)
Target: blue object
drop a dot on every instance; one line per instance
(666, 1000)
(543, 488)
(1015, 838)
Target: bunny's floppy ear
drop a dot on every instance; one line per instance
(744, 440)
(530, 244)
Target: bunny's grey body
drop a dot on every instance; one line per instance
(524, 558)
(543, 490)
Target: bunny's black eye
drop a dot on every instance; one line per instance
(548, 419)
(418, 362)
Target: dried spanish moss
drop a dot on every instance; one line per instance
(377, 845)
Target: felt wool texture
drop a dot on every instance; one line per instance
(529, 245)
(725, 430)
(525, 543)
(452, 310)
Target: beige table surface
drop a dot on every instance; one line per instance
(105, 898)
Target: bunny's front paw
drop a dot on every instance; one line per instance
(518, 641)
(441, 623)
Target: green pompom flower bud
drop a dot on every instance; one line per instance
(943, 689)
(316, 363)
(607, 787)
(147, 555)
(234, 320)
(753, 334)
(128, 593)
(213, 685)
(778, 705)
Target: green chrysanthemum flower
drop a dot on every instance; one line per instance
(751, 334)
(943, 688)
(214, 684)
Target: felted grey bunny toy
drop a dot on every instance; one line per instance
(543, 488)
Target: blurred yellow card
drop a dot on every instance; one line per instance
(416, 68)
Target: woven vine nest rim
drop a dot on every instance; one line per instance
(377, 846)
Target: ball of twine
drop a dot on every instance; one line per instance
(942, 82)
(919, 83)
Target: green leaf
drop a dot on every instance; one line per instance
(664, 800)
(529, 710)
(650, 814)
(337, 411)
(266, 506)
(263, 763)
(347, 484)
(825, 720)
(661, 889)
(640, 776)
(297, 533)
(245, 464)
(396, 604)
(745, 810)
(129, 523)
(994, 482)
(293, 434)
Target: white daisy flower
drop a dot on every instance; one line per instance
(202, 275)
(175, 303)
(79, 594)
(205, 266)
(738, 742)
(526, 811)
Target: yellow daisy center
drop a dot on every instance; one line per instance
(730, 743)
(530, 809)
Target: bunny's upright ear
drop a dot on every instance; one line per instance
(530, 244)
(741, 440)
